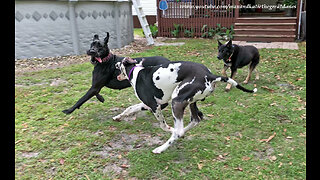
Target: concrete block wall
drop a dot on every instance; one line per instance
(59, 28)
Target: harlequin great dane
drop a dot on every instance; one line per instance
(182, 82)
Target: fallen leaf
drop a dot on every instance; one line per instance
(124, 166)
(200, 166)
(245, 158)
(210, 115)
(17, 141)
(274, 104)
(61, 161)
(269, 139)
(273, 158)
(239, 169)
(87, 177)
(267, 88)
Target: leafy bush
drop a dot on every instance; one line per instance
(188, 33)
(219, 32)
(154, 30)
(176, 30)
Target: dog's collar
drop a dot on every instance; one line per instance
(228, 61)
(131, 70)
(104, 59)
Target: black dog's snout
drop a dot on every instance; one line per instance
(91, 52)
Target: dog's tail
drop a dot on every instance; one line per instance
(234, 83)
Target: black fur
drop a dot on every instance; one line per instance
(235, 56)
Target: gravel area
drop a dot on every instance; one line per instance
(37, 64)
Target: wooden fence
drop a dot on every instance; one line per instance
(192, 15)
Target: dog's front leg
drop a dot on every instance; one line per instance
(91, 92)
(223, 72)
(178, 131)
(233, 74)
(131, 110)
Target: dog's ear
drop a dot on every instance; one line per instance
(229, 44)
(127, 61)
(106, 39)
(96, 37)
(219, 43)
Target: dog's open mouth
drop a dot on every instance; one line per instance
(98, 59)
(121, 77)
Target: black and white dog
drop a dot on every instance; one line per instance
(105, 74)
(235, 56)
(182, 82)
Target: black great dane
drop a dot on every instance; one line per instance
(105, 74)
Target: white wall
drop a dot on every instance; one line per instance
(43, 28)
(149, 7)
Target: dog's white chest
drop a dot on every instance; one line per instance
(134, 79)
(165, 79)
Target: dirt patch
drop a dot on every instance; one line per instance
(29, 154)
(264, 154)
(52, 82)
(127, 142)
(116, 149)
(58, 82)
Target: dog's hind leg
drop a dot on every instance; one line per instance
(100, 98)
(131, 110)
(250, 69)
(257, 74)
(196, 116)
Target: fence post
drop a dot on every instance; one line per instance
(236, 13)
(74, 27)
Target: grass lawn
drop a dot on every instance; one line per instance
(243, 136)
(138, 31)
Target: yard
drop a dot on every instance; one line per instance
(243, 136)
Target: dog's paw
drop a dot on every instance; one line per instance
(100, 98)
(117, 118)
(67, 111)
(200, 114)
(157, 150)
